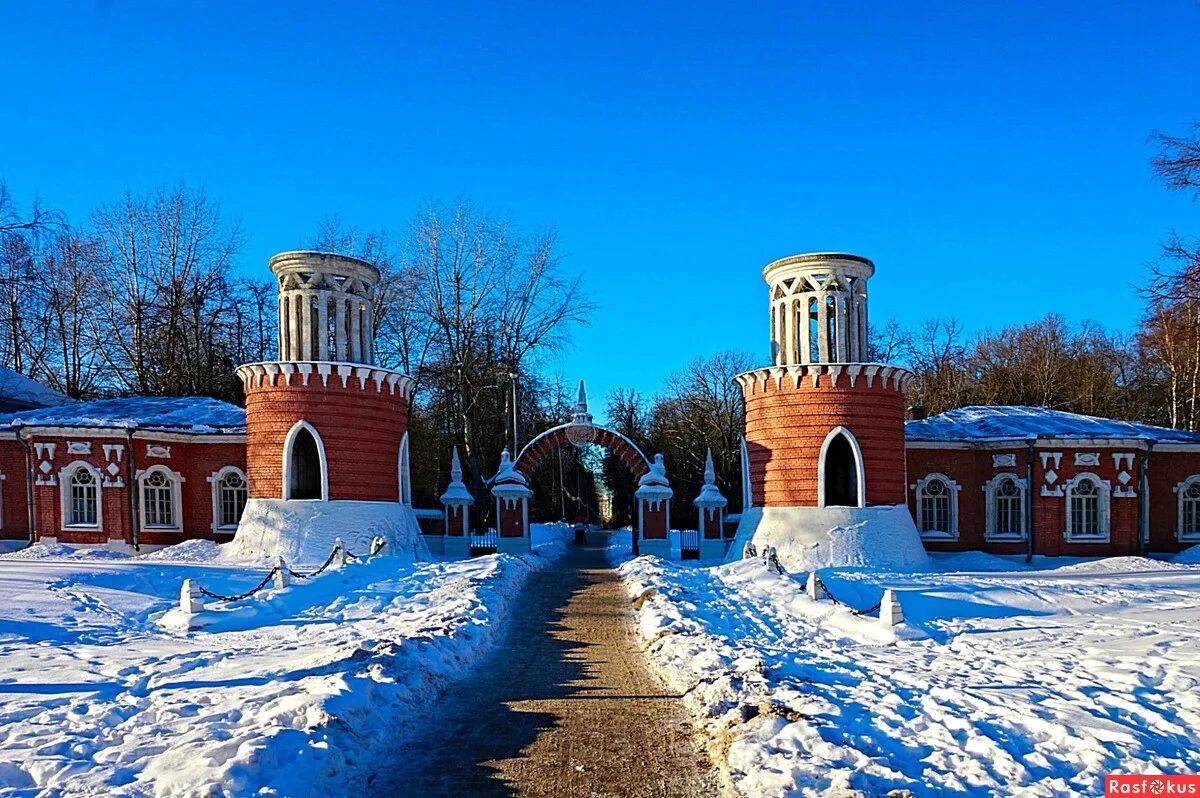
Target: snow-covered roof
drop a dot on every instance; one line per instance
(196, 415)
(18, 392)
(1006, 423)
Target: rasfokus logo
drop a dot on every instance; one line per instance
(1152, 785)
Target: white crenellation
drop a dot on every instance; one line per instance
(281, 373)
(815, 374)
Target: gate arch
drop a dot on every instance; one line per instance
(537, 449)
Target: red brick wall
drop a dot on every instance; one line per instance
(786, 426)
(654, 522)
(361, 430)
(1166, 471)
(195, 462)
(13, 495)
(972, 468)
(512, 519)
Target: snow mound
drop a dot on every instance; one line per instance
(978, 561)
(811, 538)
(188, 551)
(1188, 556)
(1115, 565)
(305, 531)
(59, 551)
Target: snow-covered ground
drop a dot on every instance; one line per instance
(1006, 679)
(294, 692)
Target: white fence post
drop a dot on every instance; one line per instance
(190, 600)
(889, 609)
(281, 573)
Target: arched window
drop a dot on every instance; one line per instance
(1087, 509)
(304, 468)
(840, 480)
(232, 493)
(937, 507)
(1189, 508)
(405, 473)
(161, 505)
(80, 487)
(1005, 508)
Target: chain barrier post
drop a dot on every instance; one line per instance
(190, 600)
(815, 587)
(889, 609)
(339, 554)
(749, 552)
(377, 544)
(281, 573)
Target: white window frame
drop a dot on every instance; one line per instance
(1105, 487)
(404, 469)
(214, 479)
(858, 466)
(176, 482)
(918, 490)
(287, 462)
(989, 488)
(64, 494)
(1180, 489)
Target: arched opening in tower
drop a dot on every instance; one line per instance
(841, 474)
(305, 467)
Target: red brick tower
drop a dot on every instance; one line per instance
(326, 430)
(824, 442)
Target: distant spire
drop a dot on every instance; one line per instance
(710, 474)
(581, 414)
(581, 404)
(455, 466)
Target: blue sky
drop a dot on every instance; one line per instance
(990, 157)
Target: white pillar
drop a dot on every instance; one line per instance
(823, 327)
(283, 327)
(789, 333)
(294, 321)
(856, 348)
(355, 331)
(369, 334)
(339, 327)
(322, 325)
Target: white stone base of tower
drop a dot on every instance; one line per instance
(304, 532)
(809, 538)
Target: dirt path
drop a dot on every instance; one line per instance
(566, 707)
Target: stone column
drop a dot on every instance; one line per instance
(339, 330)
(823, 327)
(323, 325)
(840, 326)
(805, 320)
(855, 341)
(369, 334)
(355, 331)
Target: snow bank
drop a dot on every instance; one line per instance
(1188, 556)
(305, 531)
(1022, 682)
(298, 692)
(188, 551)
(52, 551)
(811, 538)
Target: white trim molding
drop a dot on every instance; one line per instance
(1103, 514)
(952, 497)
(404, 472)
(214, 479)
(860, 472)
(989, 489)
(64, 496)
(175, 481)
(1181, 534)
(287, 461)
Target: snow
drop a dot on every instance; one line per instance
(1020, 680)
(297, 692)
(189, 414)
(1006, 423)
(807, 538)
(1188, 556)
(305, 531)
(23, 390)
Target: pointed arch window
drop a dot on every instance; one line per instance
(840, 479)
(305, 471)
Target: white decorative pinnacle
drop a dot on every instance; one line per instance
(509, 482)
(581, 414)
(581, 431)
(710, 494)
(456, 492)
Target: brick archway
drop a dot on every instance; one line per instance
(537, 449)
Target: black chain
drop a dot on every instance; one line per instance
(829, 595)
(271, 575)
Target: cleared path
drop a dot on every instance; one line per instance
(566, 707)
